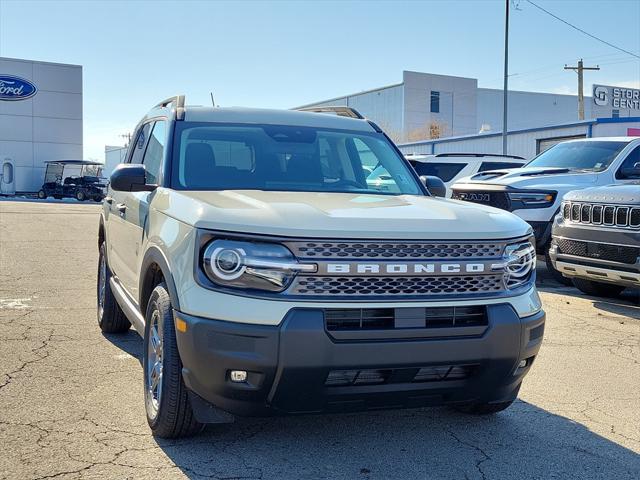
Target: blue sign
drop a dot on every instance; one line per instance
(16, 88)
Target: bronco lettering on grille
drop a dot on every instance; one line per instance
(403, 268)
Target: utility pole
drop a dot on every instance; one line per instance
(579, 70)
(506, 77)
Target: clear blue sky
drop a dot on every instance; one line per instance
(282, 54)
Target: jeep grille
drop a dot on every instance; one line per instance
(619, 216)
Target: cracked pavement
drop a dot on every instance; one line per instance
(71, 404)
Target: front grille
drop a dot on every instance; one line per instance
(620, 216)
(599, 251)
(386, 250)
(377, 286)
(493, 199)
(340, 319)
(433, 373)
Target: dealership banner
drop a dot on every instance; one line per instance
(617, 97)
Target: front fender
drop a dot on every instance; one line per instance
(154, 255)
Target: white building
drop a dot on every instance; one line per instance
(40, 117)
(527, 143)
(113, 156)
(425, 106)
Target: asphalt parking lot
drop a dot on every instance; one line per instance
(71, 399)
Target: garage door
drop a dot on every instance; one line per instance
(546, 143)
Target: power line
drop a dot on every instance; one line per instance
(583, 31)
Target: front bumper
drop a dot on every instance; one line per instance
(601, 260)
(288, 365)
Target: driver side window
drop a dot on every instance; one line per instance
(629, 162)
(138, 147)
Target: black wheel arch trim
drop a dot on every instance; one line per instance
(151, 256)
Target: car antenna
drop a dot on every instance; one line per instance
(213, 103)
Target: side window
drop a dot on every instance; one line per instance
(629, 162)
(140, 143)
(155, 150)
(485, 166)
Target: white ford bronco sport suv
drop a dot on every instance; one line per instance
(535, 191)
(267, 276)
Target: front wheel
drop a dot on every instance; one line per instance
(80, 196)
(169, 412)
(42, 195)
(597, 289)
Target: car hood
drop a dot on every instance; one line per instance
(527, 177)
(337, 215)
(628, 194)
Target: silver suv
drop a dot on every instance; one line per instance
(267, 275)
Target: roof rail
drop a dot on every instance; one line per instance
(479, 155)
(178, 102)
(339, 110)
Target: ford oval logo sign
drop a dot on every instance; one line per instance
(16, 88)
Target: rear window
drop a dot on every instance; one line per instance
(498, 166)
(444, 171)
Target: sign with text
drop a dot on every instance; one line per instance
(617, 97)
(16, 88)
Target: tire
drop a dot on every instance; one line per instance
(555, 274)
(597, 289)
(97, 199)
(166, 401)
(42, 195)
(111, 318)
(81, 196)
(484, 408)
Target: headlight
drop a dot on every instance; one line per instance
(249, 265)
(520, 263)
(531, 199)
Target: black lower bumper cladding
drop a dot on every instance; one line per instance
(300, 367)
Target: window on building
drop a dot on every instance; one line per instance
(615, 113)
(435, 102)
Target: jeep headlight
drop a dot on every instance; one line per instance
(251, 265)
(520, 263)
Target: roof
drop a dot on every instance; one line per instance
(74, 162)
(259, 116)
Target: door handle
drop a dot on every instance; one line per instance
(109, 200)
(121, 208)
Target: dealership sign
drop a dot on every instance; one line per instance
(616, 97)
(16, 88)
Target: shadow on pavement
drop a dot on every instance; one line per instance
(524, 442)
(129, 342)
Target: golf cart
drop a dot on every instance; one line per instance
(79, 179)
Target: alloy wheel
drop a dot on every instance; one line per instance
(102, 285)
(153, 380)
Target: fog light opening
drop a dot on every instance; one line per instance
(238, 376)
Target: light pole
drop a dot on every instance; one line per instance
(506, 78)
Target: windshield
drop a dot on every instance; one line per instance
(286, 158)
(586, 156)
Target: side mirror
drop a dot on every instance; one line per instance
(435, 185)
(631, 172)
(130, 178)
